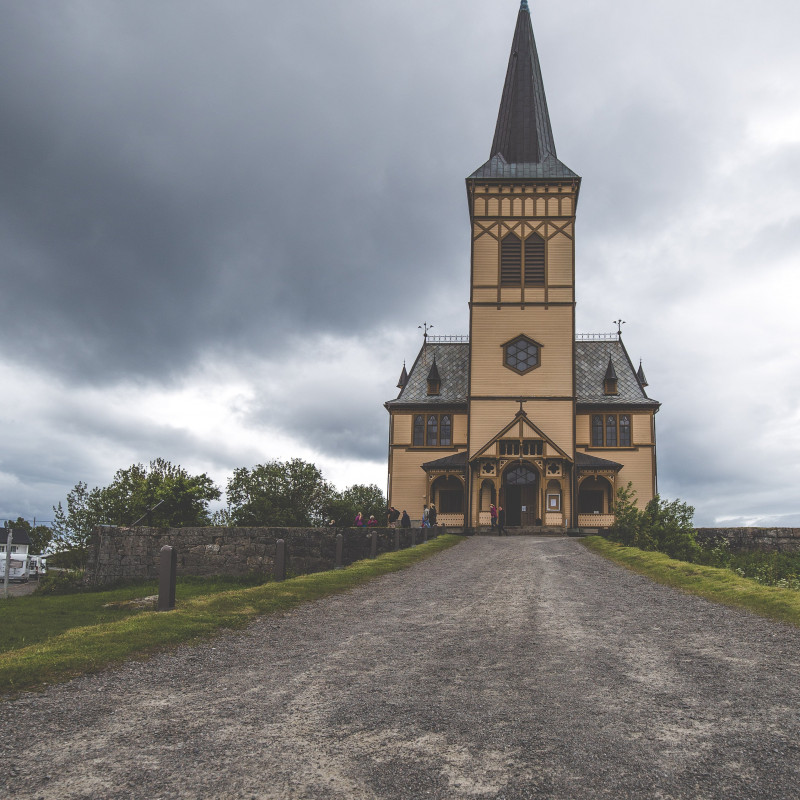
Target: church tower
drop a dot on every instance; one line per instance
(522, 204)
(522, 413)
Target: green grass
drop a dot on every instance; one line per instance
(718, 584)
(77, 635)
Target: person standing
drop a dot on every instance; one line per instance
(425, 517)
(493, 515)
(501, 522)
(432, 515)
(358, 522)
(405, 521)
(393, 516)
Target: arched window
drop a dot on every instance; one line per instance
(534, 260)
(433, 431)
(624, 430)
(510, 260)
(597, 430)
(419, 430)
(445, 428)
(611, 430)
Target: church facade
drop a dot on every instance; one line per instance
(523, 413)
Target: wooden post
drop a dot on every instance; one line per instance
(396, 539)
(280, 560)
(413, 537)
(425, 535)
(167, 578)
(373, 544)
(339, 547)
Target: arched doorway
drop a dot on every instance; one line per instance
(594, 496)
(447, 493)
(520, 491)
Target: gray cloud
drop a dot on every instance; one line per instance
(193, 185)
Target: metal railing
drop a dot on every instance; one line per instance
(442, 339)
(604, 337)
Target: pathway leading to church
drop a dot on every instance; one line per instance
(502, 668)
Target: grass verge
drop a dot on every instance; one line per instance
(89, 648)
(712, 583)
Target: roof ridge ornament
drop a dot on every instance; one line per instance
(524, 6)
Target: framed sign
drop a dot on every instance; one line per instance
(554, 502)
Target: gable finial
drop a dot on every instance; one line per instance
(524, 6)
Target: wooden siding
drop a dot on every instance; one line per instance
(402, 428)
(552, 417)
(559, 260)
(492, 328)
(642, 428)
(460, 430)
(485, 261)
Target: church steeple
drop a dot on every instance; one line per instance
(523, 133)
(523, 145)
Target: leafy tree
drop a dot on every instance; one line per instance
(279, 493)
(131, 496)
(366, 498)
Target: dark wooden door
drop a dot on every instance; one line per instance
(528, 505)
(513, 506)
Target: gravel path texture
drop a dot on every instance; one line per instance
(501, 668)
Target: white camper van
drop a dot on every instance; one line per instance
(37, 566)
(18, 568)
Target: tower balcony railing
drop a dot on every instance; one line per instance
(598, 337)
(448, 339)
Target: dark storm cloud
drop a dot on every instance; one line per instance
(172, 180)
(191, 182)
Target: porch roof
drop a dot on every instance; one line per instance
(587, 463)
(457, 461)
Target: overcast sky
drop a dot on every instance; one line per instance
(222, 221)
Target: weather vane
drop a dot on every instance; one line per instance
(619, 323)
(426, 328)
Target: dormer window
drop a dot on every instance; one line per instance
(434, 381)
(610, 380)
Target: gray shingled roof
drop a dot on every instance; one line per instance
(452, 363)
(523, 144)
(550, 167)
(591, 363)
(583, 461)
(456, 461)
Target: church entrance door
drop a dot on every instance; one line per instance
(520, 490)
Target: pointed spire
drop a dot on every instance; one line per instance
(640, 375)
(523, 133)
(433, 375)
(401, 384)
(434, 381)
(610, 379)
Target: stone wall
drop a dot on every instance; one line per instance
(118, 554)
(751, 540)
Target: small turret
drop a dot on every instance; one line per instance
(610, 379)
(640, 375)
(401, 384)
(434, 381)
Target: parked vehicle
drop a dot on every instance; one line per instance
(18, 568)
(37, 566)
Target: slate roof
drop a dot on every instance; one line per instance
(584, 461)
(549, 167)
(523, 145)
(452, 364)
(591, 362)
(19, 536)
(456, 461)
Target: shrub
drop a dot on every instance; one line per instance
(663, 526)
(61, 583)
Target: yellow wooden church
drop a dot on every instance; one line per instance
(523, 413)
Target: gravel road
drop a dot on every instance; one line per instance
(502, 668)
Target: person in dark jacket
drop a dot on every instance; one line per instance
(405, 522)
(432, 515)
(501, 521)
